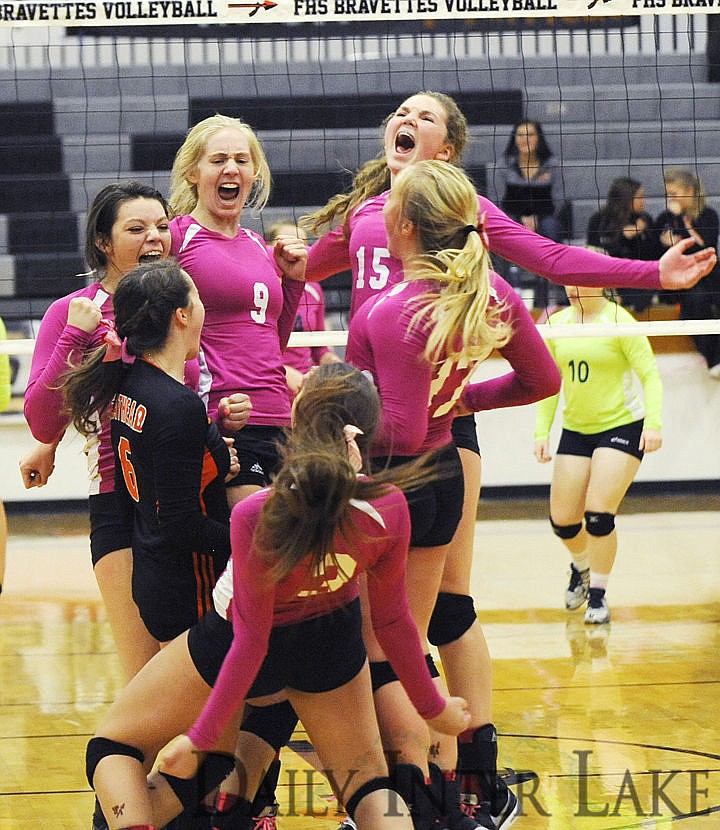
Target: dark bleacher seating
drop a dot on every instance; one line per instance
(42, 232)
(308, 187)
(154, 151)
(26, 118)
(31, 153)
(306, 112)
(48, 275)
(28, 192)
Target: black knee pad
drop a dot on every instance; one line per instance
(99, 748)
(432, 668)
(381, 673)
(274, 724)
(566, 531)
(452, 616)
(371, 786)
(190, 791)
(599, 524)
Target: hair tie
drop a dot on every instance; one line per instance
(115, 346)
(482, 229)
(368, 374)
(479, 229)
(354, 454)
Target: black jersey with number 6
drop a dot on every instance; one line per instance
(171, 462)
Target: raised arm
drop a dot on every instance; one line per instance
(571, 265)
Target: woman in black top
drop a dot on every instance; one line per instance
(623, 228)
(532, 196)
(688, 215)
(532, 182)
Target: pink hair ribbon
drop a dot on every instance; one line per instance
(115, 350)
(354, 454)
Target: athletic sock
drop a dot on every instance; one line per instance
(599, 580)
(581, 561)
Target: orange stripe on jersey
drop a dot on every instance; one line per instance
(209, 471)
(205, 579)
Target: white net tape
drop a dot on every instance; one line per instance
(652, 328)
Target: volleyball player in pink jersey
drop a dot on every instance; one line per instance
(426, 126)
(250, 292)
(126, 224)
(286, 621)
(422, 339)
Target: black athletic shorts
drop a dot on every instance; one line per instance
(625, 438)
(258, 454)
(314, 655)
(209, 641)
(436, 508)
(111, 524)
(464, 433)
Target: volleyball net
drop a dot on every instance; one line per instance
(94, 92)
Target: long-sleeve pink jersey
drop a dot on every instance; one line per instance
(361, 246)
(418, 398)
(375, 541)
(249, 315)
(57, 344)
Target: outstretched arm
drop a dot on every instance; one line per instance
(681, 270)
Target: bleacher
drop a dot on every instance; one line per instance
(75, 133)
(40, 233)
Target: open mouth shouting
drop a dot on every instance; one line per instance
(150, 256)
(229, 191)
(404, 141)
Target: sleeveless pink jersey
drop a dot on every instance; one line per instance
(362, 248)
(249, 315)
(376, 541)
(56, 344)
(418, 398)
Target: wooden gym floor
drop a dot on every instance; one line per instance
(620, 722)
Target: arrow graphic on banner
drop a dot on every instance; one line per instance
(266, 4)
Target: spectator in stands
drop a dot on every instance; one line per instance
(688, 215)
(606, 429)
(299, 360)
(532, 193)
(5, 395)
(532, 188)
(622, 228)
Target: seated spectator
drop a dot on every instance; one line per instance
(299, 360)
(532, 193)
(622, 228)
(688, 215)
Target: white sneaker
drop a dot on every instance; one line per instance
(598, 614)
(577, 590)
